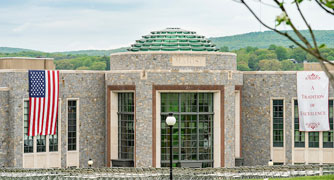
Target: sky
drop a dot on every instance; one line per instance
(65, 25)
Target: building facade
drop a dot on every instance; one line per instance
(224, 117)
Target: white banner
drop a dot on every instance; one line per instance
(312, 91)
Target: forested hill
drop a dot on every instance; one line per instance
(96, 52)
(33, 53)
(266, 38)
(254, 39)
(13, 50)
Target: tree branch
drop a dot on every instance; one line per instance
(299, 35)
(273, 29)
(314, 51)
(308, 26)
(324, 8)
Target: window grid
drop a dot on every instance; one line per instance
(125, 125)
(278, 123)
(299, 135)
(72, 125)
(41, 143)
(40, 139)
(53, 141)
(313, 139)
(193, 132)
(328, 135)
(28, 140)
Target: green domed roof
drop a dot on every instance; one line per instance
(173, 39)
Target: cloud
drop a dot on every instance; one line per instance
(22, 27)
(58, 25)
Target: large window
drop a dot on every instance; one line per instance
(193, 131)
(328, 136)
(41, 140)
(28, 140)
(53, 141)
(72, 125)
(313, 137)
(278, 123)
(125, 126)
(299, 135)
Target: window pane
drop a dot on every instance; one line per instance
(328, 136)
(71, 126)
(192, 133)
(28, 140)
(299, 136)
(41, 143)
(278, 123)
(125, 125)
(53, 141)
(313, 139)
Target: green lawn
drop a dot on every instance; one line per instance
(326, 177)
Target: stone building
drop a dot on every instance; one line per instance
(26, 63)
(224, 117)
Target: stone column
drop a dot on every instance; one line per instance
(4, 115)
(229, 108)
(288, 131)
(143, 124)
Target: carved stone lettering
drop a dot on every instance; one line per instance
(188, 61)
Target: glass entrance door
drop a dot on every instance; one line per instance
(193, 131)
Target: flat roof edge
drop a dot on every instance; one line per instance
(25, 58)
(61, 71)
(4, 88)
(173, 52)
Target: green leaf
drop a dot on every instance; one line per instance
(322, 46)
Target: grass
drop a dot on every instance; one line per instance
(326, 177)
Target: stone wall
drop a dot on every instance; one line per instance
(174, 77)
(164, 60)
(4, 127)
(87, 86)
(26, 63)
(258, 88)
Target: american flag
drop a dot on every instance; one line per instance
(43, 102)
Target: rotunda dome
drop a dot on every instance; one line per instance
(173, 39)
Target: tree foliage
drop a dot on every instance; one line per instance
(68, 61)
(248, 58)
(311, 45)
(270, 65)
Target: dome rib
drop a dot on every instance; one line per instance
(173, 39)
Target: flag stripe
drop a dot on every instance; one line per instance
(35, 118)
(30, 118)
(56, 102)
(43, 102)
(51, 103)
(46, 103)
(41, 116)
(56, 122)
(37, 114)
(49, 99)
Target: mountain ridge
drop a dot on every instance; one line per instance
(255, 39)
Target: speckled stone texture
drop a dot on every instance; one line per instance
(140, 69)
(258, 88)
(168, 75)
(88, 87)
(4, 127)
(256, 93)
(144, 106)
(163, 60)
